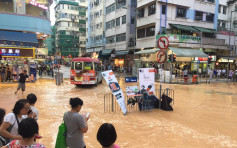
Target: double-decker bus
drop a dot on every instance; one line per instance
(85, 71)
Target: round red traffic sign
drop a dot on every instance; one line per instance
(163, 42)
(161, 56)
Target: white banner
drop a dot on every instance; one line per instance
(147, 80)
(115, 88)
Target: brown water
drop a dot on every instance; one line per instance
(204, 115)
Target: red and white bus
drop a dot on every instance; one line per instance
(85, 70)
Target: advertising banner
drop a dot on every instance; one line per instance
(115, 88)
(132, 90)
(147, 80)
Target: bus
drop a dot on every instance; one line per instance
(85, 71)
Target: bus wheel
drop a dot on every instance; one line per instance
(101, 81)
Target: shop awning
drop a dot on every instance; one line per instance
(182, 52)
(149, 51)
(204, 30)
(121, 52)
(19, 38)
(107, 51)
(184, 27)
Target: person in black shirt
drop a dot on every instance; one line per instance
(3, 72)
(22, 81)
(8, 74)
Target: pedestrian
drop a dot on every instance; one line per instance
(76, 124)
(9, 127)
(107, 136)
(8, 74)
(215, 73)
(28, 130)
(52, 70)
(32, 99)
(48, 69)
(22, 81)
(223, 72)
(218, 74)
(231, 74)
(2, 114)
(185, 73)
(3, 72)
(210, 74)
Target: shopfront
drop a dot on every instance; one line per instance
(19, 59)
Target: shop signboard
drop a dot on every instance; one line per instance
(147, 80)
(130, 79)
(115, 88)
(180, 38)
(18, 52)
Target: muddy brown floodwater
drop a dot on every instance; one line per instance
(204, 115)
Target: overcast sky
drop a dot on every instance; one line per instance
(52, 14)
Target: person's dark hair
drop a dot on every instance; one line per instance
(106, 135)
(31, 98)
(19, 105)
(25, 70)
(28, 128)
(74, 102)
(2, 114)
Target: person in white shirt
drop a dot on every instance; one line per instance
(9, 127)
(223, 72)
(32, 99)
(218, 73)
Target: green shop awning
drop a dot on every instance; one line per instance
(107, 51)
(149, 51)
(182, 52)
(204, 30)
(121, 52)
(184, 27)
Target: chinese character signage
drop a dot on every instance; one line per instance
(115, 88)
(17, 52)
(181, 38)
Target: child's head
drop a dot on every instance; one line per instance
(28, 128)
(32, 99)
(2, 114)
(106, 135)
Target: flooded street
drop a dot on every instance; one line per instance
(204, 115)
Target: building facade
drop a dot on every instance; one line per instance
(70, 27)
(95, 26)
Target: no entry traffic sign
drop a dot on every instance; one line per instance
(163, 42)
(161, 56)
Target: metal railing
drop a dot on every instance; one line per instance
(111, 105)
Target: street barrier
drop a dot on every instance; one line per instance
(58, 78)
(111, 106)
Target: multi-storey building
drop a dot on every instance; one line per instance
(23, 27)
(188, 24)
(70, 27)
(95, 26)
(120, 30)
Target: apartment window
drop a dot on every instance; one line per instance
(224, 9)
(212, 1)
(110, 39)
(210, 17)
(235, 24)
(163, 9)
(219, 9)
(223, 24)
(100, 24)
(141, 33)
(113, 23)
(120, 3)
(121, 37)
(150, 31)
(132, 20)
(151, 9)
(141, 13)
(181, 12)
(198, 15)
(100, 12)
(108, 25)
(110, 8)
(124, 19)
(117, 21)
